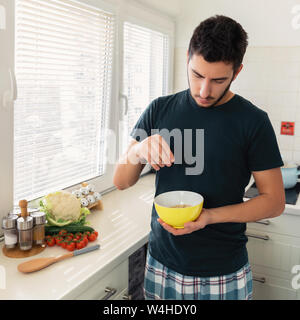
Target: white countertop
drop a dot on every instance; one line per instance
(123, 227)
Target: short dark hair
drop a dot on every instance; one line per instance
(219, 38)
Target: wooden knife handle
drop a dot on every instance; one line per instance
(64, 256)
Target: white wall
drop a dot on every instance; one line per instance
(169, 7)
(271, 80)
(271, 74)
(268, 22)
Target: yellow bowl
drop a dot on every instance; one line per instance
(177, 217)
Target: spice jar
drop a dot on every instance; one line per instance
(9, 226)
(14, 212)
(39, 220)
(25, 226)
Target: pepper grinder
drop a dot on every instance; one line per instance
(25, 225)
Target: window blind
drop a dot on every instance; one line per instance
(64, 52)
(146, 65)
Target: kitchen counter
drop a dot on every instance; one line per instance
(123, 227)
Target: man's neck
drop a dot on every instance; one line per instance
(226, 98)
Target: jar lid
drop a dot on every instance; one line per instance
(38, 217)
(9, 222)
(25, 223)
(17, 211)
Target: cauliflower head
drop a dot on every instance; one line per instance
(63, 208)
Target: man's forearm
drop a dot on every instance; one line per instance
(260, 207)
(128, 169)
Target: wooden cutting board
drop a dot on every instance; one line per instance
(17, 253)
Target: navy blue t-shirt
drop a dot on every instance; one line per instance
(237, 138)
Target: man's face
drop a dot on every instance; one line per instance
(209, 82)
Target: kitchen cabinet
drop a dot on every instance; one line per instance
(271, 288)
(273, 249)
(112, 286)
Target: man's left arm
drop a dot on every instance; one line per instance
(269, 203)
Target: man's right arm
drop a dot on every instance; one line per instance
(153, 149)
(128, 168)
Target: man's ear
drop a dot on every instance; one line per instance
(238, 71)
(187, 57)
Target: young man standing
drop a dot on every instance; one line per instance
(208, 258)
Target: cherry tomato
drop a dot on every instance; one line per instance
(85, 240)
(77, 236)
(51, 242)
(62, 232)
(78, 245)
(92, 237)
(70, 246)
(58, 239)
(95, 233)
(63, 244)
(69, 237)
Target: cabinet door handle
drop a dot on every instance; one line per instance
(109, 293)
(265, 222)
(261, 280)
(126, 297)
(252, 235)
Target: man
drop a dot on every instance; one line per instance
(207, 259)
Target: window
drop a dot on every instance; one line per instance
(63, 68)
(146, 60)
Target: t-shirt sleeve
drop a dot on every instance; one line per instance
(263, 150)
(145, 123)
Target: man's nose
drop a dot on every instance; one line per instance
(205, 89)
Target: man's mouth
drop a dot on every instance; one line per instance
(203, 101)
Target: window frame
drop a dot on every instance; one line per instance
(8, 92)
(147, 18)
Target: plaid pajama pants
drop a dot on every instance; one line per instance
(162, 283)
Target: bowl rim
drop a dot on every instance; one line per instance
(155, 202)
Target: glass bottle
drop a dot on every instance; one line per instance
(39, 220)
(25, 226)
(9, 226)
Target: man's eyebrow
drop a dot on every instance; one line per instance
(198, 74)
